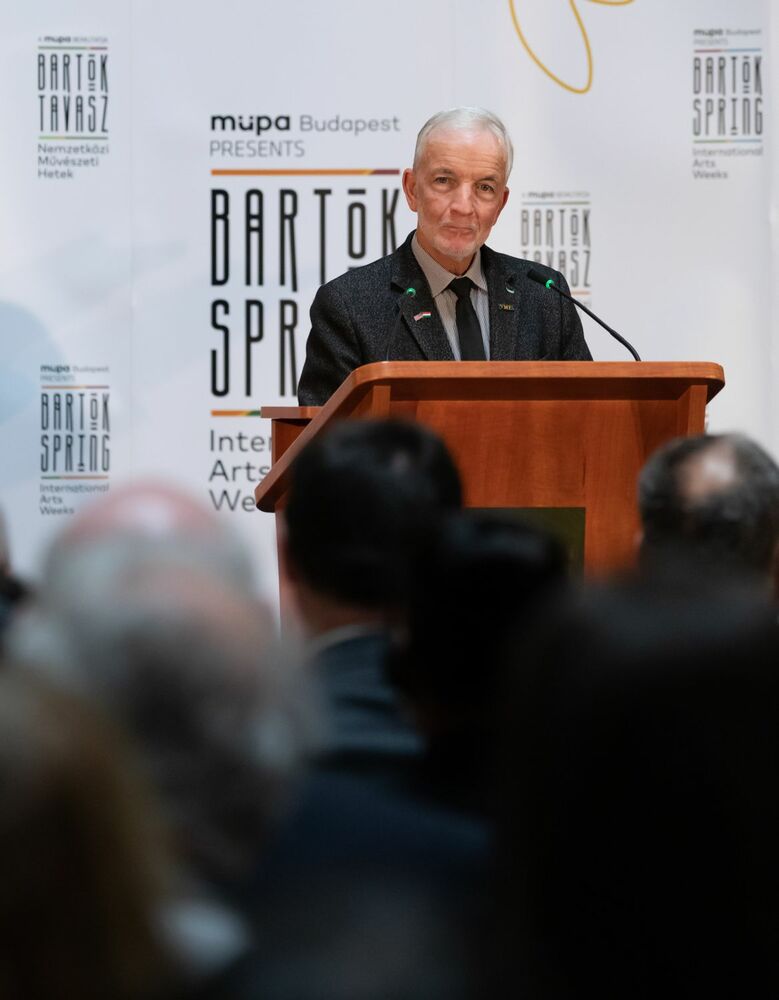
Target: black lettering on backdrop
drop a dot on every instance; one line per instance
(75, 438)
(388, 208)
(727, 96)
(356, 225)
(220, 386)
(234, 358)
(252, 336)
(220, 237)
(322, 193)
(70, 100)
(287, 236)
(254, 236)
(559, 236)
(253, 333)
(288, 321)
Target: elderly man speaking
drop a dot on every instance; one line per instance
(443, 295)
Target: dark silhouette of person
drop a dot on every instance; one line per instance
(641, 812)
(364, 500)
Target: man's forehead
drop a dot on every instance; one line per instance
(452, 151)
(443, 142)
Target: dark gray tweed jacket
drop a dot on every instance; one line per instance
(368, 315)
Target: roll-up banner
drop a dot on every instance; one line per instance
(179, 181)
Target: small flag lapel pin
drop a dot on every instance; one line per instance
(422, 315)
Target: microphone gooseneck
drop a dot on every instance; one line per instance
(549, 283)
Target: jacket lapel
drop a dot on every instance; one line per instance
(504, 307)
(418, 310)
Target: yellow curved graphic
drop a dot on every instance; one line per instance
(553, 76)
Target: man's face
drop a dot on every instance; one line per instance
(458, 190)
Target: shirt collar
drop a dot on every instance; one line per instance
(438, 278)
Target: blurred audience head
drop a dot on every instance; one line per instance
(13, 591)
(483, 576)
(712, 500)
(642, 816)
(5, 555)
(81, 858)
(154, 515)
(146, 608)
(363, 498)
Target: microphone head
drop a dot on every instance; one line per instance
(536, 276)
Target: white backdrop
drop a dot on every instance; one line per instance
(140, 316)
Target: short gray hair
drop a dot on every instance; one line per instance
(166, 637)
(734, 526)
(466, 119)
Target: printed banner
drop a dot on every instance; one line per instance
(179, 182)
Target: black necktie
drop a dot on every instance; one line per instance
(468, 329)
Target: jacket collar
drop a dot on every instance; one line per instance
(504, 306)
(418, 308)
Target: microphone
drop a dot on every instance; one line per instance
(410, 292)
(538, 277)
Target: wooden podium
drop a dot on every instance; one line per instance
(524, 434)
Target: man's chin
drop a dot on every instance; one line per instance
(457, 250)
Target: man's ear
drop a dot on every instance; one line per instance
(502, 205)
(410, 188)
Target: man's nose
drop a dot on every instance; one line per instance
(462, 200)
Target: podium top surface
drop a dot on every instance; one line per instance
(480, 382)
(480, 379)
(502, 370)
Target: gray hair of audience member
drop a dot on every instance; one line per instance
(157, 517)
(465, 119)
(715, 497)
(166, 636)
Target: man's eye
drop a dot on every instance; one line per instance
(441, 180)
(487, 188)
